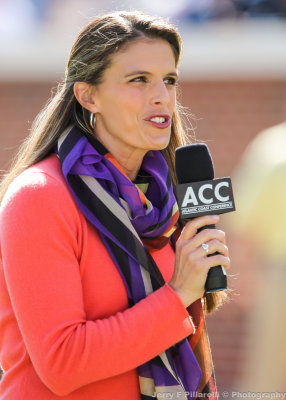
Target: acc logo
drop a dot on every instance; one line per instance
(190, 196)
(206, 197)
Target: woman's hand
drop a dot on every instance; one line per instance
(192, 264)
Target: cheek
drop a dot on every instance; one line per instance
(129, 101)
(172, 101)
(131, 108)
(123, 108)
(113, 109)
(120, 115)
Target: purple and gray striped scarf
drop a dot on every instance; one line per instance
(113, 204)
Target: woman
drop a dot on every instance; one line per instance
(94, 298)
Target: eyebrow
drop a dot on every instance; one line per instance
(149, 73)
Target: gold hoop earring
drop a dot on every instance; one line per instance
(92, 120)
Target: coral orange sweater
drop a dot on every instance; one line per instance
(65, 326)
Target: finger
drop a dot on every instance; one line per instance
(214, 246)
(207, 235)
(215, 260)
(198, 253)
(191, 228)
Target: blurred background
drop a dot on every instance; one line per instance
(233, 82)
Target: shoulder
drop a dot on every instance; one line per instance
(41, 186)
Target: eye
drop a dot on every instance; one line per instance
(170, 81)
(139, 79)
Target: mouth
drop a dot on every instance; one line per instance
(159, 121)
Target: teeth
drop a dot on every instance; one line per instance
(159, 120)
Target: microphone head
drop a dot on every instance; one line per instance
(193, 163)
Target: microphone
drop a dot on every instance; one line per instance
(200, 194)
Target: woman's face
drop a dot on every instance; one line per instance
(136, 99)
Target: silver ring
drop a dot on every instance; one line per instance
(205, 246)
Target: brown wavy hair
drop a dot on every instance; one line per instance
(89, 57)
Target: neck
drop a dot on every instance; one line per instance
(130, 162)
(129, 159)
(132, 174)
(131, 165)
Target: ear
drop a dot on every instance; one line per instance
(85, 95)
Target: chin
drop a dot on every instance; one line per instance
(160, 144)
(158, 147)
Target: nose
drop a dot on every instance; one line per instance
(160, 93)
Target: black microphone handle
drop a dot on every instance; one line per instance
(216, 278)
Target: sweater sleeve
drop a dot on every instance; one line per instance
(38, 229)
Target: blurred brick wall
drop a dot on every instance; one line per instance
(232, 113)
(19, 105)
